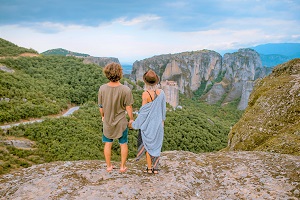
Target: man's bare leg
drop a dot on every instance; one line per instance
(107, 155)
(124, 154)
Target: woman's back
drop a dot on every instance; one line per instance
(149, 96)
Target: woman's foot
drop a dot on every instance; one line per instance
(148, 170)
(155, 171)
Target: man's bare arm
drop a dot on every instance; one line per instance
(102, 113)
(129, 112)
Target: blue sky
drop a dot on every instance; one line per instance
(137, 29)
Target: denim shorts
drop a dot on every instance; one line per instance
(122, 140)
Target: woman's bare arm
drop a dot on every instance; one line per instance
(145, 97)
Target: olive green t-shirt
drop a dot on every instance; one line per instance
(114, 101)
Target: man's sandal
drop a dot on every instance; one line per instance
(155, 171)
(148, 171)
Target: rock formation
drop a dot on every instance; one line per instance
(183, 175)
(101, 61)
(188, 69)
(240, 70)
(271, 121)
(226, 79)
(246, 91)
(171, 90)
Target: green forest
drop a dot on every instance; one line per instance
(9, 49)
(47, 85)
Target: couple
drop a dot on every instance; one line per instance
(114, 99)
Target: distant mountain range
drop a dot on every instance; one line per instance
(277, 53)
(273, 54)
(286, 49)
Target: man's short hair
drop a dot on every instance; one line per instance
(113, 71)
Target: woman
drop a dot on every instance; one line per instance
(150, 122)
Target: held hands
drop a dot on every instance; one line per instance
(130, 124)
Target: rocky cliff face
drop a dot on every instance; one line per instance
(241, 69)
(101, 61)
(271, 121)
(232, 75)
(183, 175)
(188, 69)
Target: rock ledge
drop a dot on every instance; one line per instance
(183, 175)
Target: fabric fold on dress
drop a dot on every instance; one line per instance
(142, 151)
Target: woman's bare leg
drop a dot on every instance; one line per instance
(148, 159)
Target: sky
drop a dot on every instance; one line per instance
(133, 30)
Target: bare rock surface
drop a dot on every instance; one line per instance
(6, 69)
(183, 175)
(24, 143)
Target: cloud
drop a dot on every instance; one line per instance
(51, 28)
(143, 19)
(134, 30)
(125, 39)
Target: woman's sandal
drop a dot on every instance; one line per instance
(155, 171)
(148, 171)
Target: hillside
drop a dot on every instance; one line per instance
(271, 121)
(63, 52)
(87, 59)
(40, 86)
(9, 49)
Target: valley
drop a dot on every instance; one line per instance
(33, 87)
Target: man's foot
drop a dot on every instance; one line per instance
(109, 169)
(155, 171)
(122, 170)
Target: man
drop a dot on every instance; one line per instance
(113, 100)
